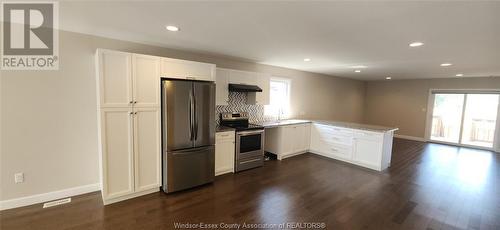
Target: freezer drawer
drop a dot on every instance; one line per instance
(188, 168)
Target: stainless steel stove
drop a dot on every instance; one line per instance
(249, 152)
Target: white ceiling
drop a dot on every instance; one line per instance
(335, 35)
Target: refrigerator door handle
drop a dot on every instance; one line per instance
(195, 118)
(191, 112)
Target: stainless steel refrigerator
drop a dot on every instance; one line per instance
(188, 129)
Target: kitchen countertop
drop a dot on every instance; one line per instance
(272, 124)
(375, 128)
(223, 129)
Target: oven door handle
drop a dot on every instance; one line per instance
(247, 133)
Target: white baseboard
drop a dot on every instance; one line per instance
(410, 138)
(281, 157)
(130, 196)
(44, 197)
(224, 171)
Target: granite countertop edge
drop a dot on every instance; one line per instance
(220, 129)
(351, 125)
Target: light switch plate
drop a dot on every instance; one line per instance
(19, 178)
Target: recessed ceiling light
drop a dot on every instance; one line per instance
(446, 64)
(388, 78)
(416, 44)
(307, 59)
(460, 75)
(359, 66)
(172, 28)
(357, 71)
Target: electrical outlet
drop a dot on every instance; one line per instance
(19, 178)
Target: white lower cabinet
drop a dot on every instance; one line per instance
(147, 151)
(224, 152)
(364, 148)
(365, 152)
(117, 152)
(368, 149)
(130, 152)
(289, 140)
(332, 141)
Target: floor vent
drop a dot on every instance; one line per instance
(56, 202)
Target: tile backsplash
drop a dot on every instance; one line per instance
(238, 103)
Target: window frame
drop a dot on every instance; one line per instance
(286, 112)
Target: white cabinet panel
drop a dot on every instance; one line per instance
(146, 80)
(117, 152)
(182, 69)
(368, 152)
(224, 152)
(304, 137)
(289, 137)
(222, 90)
(147, 148)
(114, 78)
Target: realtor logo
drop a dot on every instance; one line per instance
(30, 36)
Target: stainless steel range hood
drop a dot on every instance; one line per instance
(244, 88)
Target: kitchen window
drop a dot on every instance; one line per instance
(279, 98)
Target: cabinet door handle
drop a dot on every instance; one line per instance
(135, 102)
(130, 102)
(131, 113)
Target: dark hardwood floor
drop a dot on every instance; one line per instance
(428, 186)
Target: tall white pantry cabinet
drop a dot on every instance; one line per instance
(129, 124)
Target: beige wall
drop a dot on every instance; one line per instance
(403, 103)
(49, 119)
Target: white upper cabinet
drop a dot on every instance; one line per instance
(115, 78)
(261, 98)
(182, 69)
(242, 77)
(222, 89)
(147, 148)
(146, 80)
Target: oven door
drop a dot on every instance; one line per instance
(249, 144)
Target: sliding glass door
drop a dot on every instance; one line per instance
(465, 119)
(480, 120)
